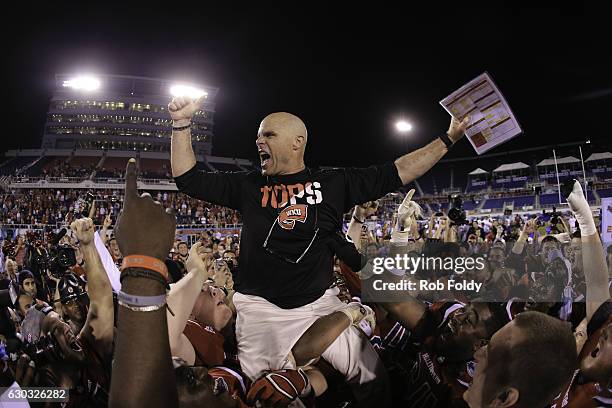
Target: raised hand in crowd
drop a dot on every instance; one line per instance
(104, 233)
(181, 110)
(99, 328)
(357, 230)
(143, 372)
(528, 228)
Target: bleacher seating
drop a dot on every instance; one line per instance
(495, 203)
(113, 167)
(508, 184)
(40, 165)
(480, 186)
(549, 199)
(84, 161)
(469, 205)
(523, 201)
(603, 173)
(155, 168)
(15, 164)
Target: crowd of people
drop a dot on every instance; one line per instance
(44, 207)
(290, 311)
(74, 310)
(62, 169)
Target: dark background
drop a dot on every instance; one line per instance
(348, 73)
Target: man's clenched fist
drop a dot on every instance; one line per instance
(84, 230)
(183, 107)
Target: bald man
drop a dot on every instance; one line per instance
(289, 214)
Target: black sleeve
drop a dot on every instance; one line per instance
(221, 188)
(371, 183)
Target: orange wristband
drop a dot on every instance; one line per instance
(145, 262)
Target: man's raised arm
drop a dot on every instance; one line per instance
(181, 111)
(593, 259)
(100, 318)
(414, 164)
(142, 372)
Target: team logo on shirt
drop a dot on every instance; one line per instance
(288, 216)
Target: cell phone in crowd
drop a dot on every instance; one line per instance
(83, 205)
(88, 202)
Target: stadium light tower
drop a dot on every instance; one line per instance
(186, 90)
(84, 83)
(403, 127)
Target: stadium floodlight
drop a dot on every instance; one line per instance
(186, 90)
(83, 83)
(403, 126)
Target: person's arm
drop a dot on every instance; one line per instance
(360, 215)
(104, 232)
(92, 211)
(413, 165)
(451, 234)
(100, 317)
(409, 313)
(142, 371)
(181, 111)
(181, 299)
(57, 305)
(593, 259)
(430, 226)
(519, 245)
(319, 336)
(441, 228)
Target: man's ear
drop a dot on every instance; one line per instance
(507, 398)
(298, 142)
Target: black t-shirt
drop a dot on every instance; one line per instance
(295, 215)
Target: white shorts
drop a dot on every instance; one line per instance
(266, 334)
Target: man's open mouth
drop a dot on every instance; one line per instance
(265, 158)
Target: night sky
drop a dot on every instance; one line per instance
(348, 74)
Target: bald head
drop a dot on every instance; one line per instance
(287, 122)
(281, 143)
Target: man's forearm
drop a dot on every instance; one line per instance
(100, 294)
(99, 288)
(142, 372)
(181, 299)
(519, 245)
(319, 337)
(414, 164)
(57, 305)
(104, 235)
(182, 157)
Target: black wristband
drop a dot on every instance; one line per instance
(179, 128)
(144, 273)
(446, 139)
(357, 220)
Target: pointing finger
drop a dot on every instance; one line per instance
(131, 182)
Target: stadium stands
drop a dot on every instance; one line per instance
(494, 203)
(13, 165)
